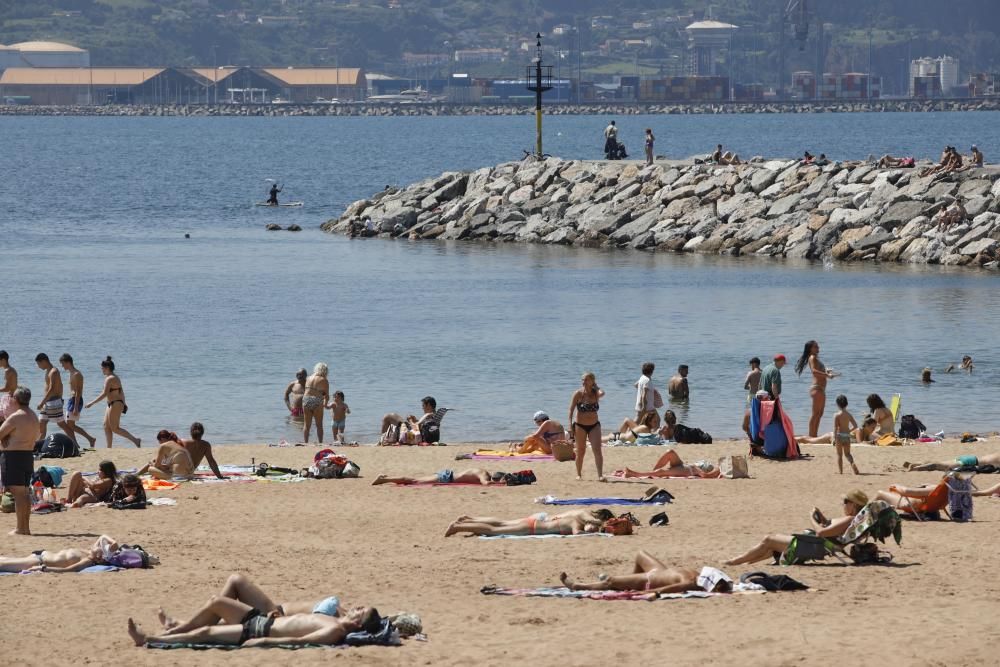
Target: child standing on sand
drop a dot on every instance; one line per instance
(843, 432)
(338, 413)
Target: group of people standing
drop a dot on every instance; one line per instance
(615, 150)
(308, 395)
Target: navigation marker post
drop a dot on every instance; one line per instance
(539, 80)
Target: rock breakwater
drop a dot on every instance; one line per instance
(777, 208)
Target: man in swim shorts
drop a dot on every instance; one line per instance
(75, 404)
(964, 461)
(651, 575)
(244, 625)
(17, 462)
(470, 476)
(50, 408)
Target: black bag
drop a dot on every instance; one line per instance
(773, 583)
(122, 505)
(910, 427)
(56, 446)
(866, 554)
(519, 478)
(692, 436)
(44, 476)
(430, 430)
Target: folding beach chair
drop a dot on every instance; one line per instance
(877, 521)
(895, 406)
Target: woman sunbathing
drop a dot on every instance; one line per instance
(171, 460)
(67, 560)
(966, 460)
(470, 476)
(652, 576)
(917, 499)
(772, 544)
(547, 432)
(863, 433)
(83, 492)
(573, 522)
(630, 430)
(671, 465)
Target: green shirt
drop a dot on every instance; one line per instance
(770, 380)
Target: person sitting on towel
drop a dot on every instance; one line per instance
(241, 589)
(965, 461)
(244, 625)
(67, 560)
(171, 460)
(547, 432)
(632, 429)
(854, 502)
(652, 576)
(470, 476)
(573, 522)
(671, 465)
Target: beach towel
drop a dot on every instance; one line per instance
(500, 455)
(387, 635)
(563, 592)
(539, 537)
(621, 474)
(552, 500)
(153, 484)
(87, 570)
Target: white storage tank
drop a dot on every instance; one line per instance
(51, 54)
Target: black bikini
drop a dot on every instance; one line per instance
(588, 407)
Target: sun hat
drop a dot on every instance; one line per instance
(857, 497)
(540, 416)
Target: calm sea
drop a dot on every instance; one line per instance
(93, 213)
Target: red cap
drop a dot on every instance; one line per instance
(779, 357)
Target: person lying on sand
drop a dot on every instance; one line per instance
(652, 576)
(547, 432)
(671, 465)
(862, 434)
(573, 522)
(915, 497)
(67, 560)
(776, 543)
(966, 460)
(629, 431)
(470, 476)
(240, 589)
(244, 625)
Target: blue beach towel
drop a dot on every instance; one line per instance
(87, 570)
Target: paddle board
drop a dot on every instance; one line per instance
(292, 204)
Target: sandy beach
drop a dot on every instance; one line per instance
(935, 604)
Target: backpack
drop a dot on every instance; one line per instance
(693, 436)
(330, 467)
(129, 557)
(49, 476)
(56, 446)
(519, 478)
(430, 430)
(391, 435)
(910, 427)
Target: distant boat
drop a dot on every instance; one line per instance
(412, 96)
(292, 204)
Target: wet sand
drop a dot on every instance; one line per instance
(383, 545)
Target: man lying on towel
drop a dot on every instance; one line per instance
(241, 589)
(966, 460)
(652, 576)
(244, 625)
(470, 476)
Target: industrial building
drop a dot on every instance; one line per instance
(705, 39)
(933, 77)
(850, 86)
(43, 54)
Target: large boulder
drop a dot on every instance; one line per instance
(637, 227)
(784, 205)
(901, 213)
(601, 219)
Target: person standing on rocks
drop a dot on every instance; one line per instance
(650, 140)
(817, 391)
(610, 140)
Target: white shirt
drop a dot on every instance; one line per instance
(643, 385)
(611, 132)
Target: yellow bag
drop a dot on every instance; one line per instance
(888, 440)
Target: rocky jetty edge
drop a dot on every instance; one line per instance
(778, 208)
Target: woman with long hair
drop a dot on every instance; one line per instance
(115, 395)
(82, 492)
(314, 399)
(881, 414)
(587, 426)
(820, 376)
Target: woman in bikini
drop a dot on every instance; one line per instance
(83, 492)
(573, 522)
(883, 416)
(587, 426)
(67, 560)
(817, 391)
(172, 458)
(671, 465)
(653, 576)
(115, 395)
(314, 398)
(548, 432)
(862, 434)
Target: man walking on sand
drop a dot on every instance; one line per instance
(645, 398)
(50, 408)
(75, 404)
(17, 462)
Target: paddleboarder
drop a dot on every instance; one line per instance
(272, 199)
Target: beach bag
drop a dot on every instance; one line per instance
(960, 499)
(49, 476)
(647, 439)
(129, 557)
(734, 467)
(330, 467)
(864, 554)
(692, 436)
(562, 450)
(408, 437)
(7, 503)
(910, 427)
(657, 399)
(352, 469)
(430, 431)
(56, 446)
(391, 435)
(617, 526)
(519, 478)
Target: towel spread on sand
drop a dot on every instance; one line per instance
(552, 500)
(387, 635)
(153, 484)
(562, 592)
(621, 474)
(500, 455)
(87, 570)
(539, 537)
